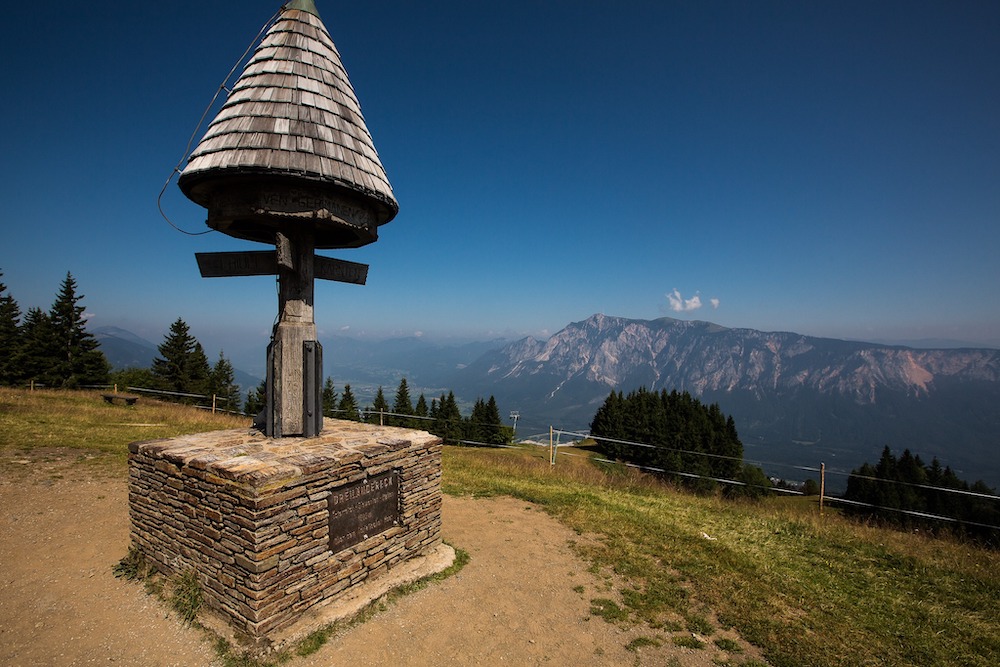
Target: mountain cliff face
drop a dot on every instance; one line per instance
(787, 391)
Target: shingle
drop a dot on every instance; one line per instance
(293, 109)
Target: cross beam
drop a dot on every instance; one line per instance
(265, 263)
(294, 405)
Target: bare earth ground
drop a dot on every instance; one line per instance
(523, 599)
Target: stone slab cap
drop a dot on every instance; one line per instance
(250, 460)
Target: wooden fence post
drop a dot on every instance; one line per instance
(822, 486)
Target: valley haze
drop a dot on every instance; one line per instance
(797, 400)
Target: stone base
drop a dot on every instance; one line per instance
(289, 534)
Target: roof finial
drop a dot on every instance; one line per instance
(303, 5)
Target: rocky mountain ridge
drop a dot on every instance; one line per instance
(700, 356)
(787, 391)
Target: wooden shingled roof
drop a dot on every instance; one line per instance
(292, 114)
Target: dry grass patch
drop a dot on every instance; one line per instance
(33, 423)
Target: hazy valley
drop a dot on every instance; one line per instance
(797, 400)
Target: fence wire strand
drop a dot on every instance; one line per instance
(835, 499)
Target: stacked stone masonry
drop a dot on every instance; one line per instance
(250, 514)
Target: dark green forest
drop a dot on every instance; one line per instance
(441, 417)
(52, 349)
(681, 438)
(909, 493)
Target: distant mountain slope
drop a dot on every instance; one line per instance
(795, 398)
(123, 349)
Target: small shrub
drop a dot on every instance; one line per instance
(728, 645)
(687, 641)
(315, 640)
(639, 642)
(185, 596)
(698, 624)
(608, 610)
(134, 566)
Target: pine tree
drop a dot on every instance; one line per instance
(376, 414)
(329, 398)
(10, 337)
(77, 354)
(497, 433)
(222, 385)
(448, 420)
(37, 349)
(681, 433)
(475, 428)
(421, 409)
(182, 366)
(256, 400)
(348, 406)
(201, 371)
(402, 405)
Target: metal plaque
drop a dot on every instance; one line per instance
(363, 509)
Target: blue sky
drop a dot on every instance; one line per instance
(829, 168)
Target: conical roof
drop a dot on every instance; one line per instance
(292, 114)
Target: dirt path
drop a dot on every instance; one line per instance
(523, 599)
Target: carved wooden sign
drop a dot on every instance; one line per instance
(265, 263)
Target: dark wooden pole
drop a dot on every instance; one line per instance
(294, 356)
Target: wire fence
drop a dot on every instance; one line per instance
(212, 400)
(556, 434)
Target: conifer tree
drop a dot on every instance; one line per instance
(201, 371)
(77, 354)
(256, 400)
(497, 433)
(376, 414)
(182, 366)
(10, 337)
(448, 421)
(676, 433)
(222, 385)
(34, 355)
(329, 398)
(475, 427)
(421, 409)
(402, 405)
(348, 406)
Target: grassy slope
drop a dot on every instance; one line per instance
(81, 420)
(808, 590)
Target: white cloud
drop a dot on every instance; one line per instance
(346, 327)
(679, 304)
(418, 334)
(714, 302)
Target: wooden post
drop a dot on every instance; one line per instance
(295, 408)
(213, 404)
(822, 486)
(552, 456)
